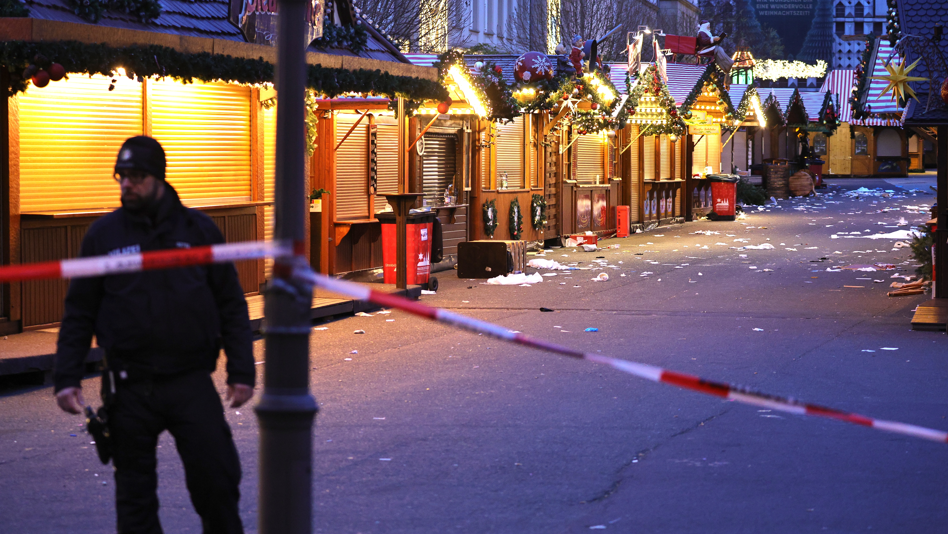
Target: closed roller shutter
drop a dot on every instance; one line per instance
(438, 165)
(387, 166)
(533, 174)
(665, 147)
(611, 153)
(70, 135)
(509, 143)
(700, 156)
(679, 163)
(649, 157)
(205, 131)
(485, 161)
(635, 212)
(269, 176)
(714, 152)
(589, 159)
(352, 169)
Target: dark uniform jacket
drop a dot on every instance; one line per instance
(161, 322)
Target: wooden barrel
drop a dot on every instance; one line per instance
(778, 178)
(801, 184)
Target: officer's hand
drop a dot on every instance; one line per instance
(70, 400)
(238, 394)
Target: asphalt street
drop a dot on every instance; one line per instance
(426, 429)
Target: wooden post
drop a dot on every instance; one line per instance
(941, 235)
(401, 204)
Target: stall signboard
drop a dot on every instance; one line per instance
(258, 20)
(704, 129)
(790, 19)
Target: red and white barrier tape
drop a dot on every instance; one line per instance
(166, 259)
(143, 261)
(641, 370)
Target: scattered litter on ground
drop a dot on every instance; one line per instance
(548, 264)
(591, 329)
(363, 314)
(546, 310)
(359, 332)
(426, 292)
(515, 279)
(602, 277)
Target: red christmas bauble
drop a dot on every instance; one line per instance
(944, 90)
(443, 107)
(533, 66)
(498, 70)
(56, 72)
(594, 105)
(449, 100)
(673, 113)
(632, 112)
(565, 96)
(41, 79)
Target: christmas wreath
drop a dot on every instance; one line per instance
(516, 220)
(490, 218)
(538, 211)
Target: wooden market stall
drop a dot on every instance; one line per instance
(738, 155)
(62, 138)
(709, 113)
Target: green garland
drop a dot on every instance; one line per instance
(13, 8)
(515, 217)
(892, 30)
(828, 115)
(538, 211)
(353, 37)
(650, 84)
(489, 213)
(863, 74)
(796, 99)
(488, 83)
(716, 77)
(160, 61)
(746, 101)
(771, 102)
(91, 10)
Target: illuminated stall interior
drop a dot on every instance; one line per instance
(740, 147)
(64, 166)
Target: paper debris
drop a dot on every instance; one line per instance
(515, 279)
(603, 277)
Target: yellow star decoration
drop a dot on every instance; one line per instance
(898, 79)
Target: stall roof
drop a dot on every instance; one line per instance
(840, 83)
(736, 92)
(203, 18)
(813, 102)
(875, 101)
(682, 78)
(919, 17)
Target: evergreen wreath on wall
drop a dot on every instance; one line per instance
(145, 61)
(538, 211)
(515, 217)
(489, 213)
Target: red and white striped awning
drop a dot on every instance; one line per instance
(875, 101)
(840, 83)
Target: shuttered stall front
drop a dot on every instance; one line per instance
(700, 157)
(485, 161)
(635, 214)
(438, 166)
(205, 131)
(352, 169)
(666, 155)
(679, 163)
(269, 177)
(533, 173)
(387, 164)
(509, 143)
(649, 157)
(70, 135)
(714, 152)
(588, 150)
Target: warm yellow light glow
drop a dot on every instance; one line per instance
(469, 94)
(758, 112)
(121, 72)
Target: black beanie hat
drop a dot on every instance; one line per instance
(142, 153)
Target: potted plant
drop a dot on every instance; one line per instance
(315, 199)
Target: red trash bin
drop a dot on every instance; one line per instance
(622, 221)
(723, 196)
(418, 238)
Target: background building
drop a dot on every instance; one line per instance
(853, 21)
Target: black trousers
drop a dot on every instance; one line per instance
(189, 407)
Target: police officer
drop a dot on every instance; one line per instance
(162, 332)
